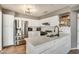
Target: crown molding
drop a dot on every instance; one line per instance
(25, 16)
(6, 11)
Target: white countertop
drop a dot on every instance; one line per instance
(38, 40)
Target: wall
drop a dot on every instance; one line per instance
(0, 30)
(65, 29)
(73, 29)
(78, 21)
(78, 31)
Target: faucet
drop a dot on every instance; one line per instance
(56, 28)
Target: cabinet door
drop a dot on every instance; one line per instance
(68, 44)
(48, 47)
(63, 45)
(59, 42)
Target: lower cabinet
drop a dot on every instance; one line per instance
(61, 46)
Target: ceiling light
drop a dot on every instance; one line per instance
(29, 9)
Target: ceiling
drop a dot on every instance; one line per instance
(37, 10)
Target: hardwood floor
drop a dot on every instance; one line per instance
(20, 49)
(74, 51)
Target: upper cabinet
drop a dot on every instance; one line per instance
(51, 21)
(64, 20)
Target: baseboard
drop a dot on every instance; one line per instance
(8, 46)
(11, 45)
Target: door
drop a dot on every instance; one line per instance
(8, 30)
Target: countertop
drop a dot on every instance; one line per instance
(38, 40)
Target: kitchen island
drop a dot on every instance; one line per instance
(49, 45)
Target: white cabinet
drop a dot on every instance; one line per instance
(38, 49)
(53, 21)
(8, 29)
(32, 34)
(61, 46)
